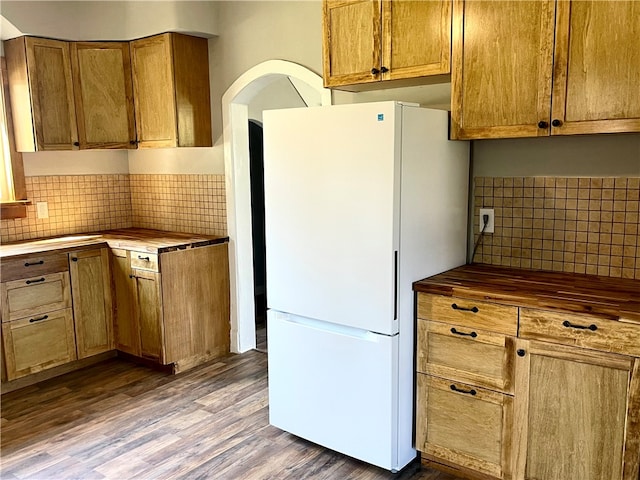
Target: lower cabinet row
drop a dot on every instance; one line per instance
(57, 308)
(494, 406)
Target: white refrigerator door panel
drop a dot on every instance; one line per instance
(335, 388)
(331, 202)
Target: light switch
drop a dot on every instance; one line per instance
(42, 209)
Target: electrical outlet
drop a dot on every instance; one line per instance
(42, 209)
(490, 225)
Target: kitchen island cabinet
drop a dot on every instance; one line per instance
(563, 382)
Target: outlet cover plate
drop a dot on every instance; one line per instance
(491, 225)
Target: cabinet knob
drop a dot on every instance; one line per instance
(556, 122)
(133, 142)
(74, 259)
(521, 353)
(384, 69)
(375, 71)
(543, 124)
(76, 144)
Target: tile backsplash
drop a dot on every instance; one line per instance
(180, 203)
(85, 203)
(582, 225)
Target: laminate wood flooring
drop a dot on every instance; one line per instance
(117, 420)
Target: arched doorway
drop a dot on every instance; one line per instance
(235, 118)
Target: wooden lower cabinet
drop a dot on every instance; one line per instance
(464, 425)
(578, 413)
(36, 343)
(148, 307)
(91, 293)
(178, 314)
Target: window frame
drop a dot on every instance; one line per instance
(18, 207)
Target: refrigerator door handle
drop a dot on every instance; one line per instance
(395, 285)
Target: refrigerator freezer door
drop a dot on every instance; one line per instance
(334, 387)
(331, 203)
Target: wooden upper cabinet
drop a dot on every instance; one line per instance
(368, 41)
(103, 94)
(41, 90)
(171, 91)
(539, 68)
(597, 67)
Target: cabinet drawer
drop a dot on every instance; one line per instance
(144, 261)
(36, 343)
(32, 266)
(580, 330)
(469, 313)
(466, 355)
(468, 426)
(35, 295)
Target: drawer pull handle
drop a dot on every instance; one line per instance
(458, 332)
(27, 264)
(146, 259)
(459, 390)
(472, 309)
(591, 327)
(29, 282)
(44, 317)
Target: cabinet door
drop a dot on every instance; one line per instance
(501, 69)
(148, 305)
(572, 405)
(351, 41)
(416, 38)
(103, 94)
(36, 343)
(127, 331)
(153, 89)
(41, 94)
(597, 67)
(464, 425)
(91, 293)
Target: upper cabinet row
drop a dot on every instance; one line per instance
(152, 92)
(369, 41)
(519, 68)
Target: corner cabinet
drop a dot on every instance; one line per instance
(103, 94)
(171, 91)
(526, 69)
(369, 41)
(91, 293)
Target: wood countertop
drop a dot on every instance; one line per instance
(138, 239)
(607, 297)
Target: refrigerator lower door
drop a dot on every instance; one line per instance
(335, 386)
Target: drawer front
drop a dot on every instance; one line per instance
(466, 425)
(35, 344)
(35, 295)
(580, 330)
(466, 355)
(486, 316)
(144, 261)
(32, 266)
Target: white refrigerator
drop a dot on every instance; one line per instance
(361, 200)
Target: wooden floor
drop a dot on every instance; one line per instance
(121, 421)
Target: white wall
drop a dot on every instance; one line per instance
(87, 162)
(109, 20)
(279, 93)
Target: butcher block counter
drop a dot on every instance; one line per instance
(527, 374)
(157, 297)
(153, 241)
